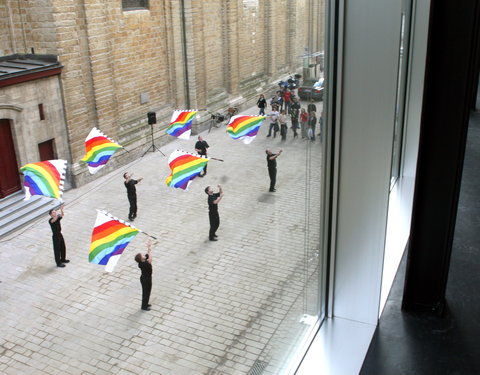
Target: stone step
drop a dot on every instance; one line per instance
(11, 200)
(15, 212)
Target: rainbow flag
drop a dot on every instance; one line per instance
(44, 178)
(244, 127)
(99, 149)
(181, 123)
(185, 167)
(110, 237)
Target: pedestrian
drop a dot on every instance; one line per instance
(303, 122)
(145, 264)
(287, 99)
(59, 248)
(312, 122)
(131, 194)
(201, 147)
(277, 100)
(262, 104)
(272, 168)
(294, 116)
(311, 107)
(273, 122)
(213, 200)
(320, 125)
(282, 119)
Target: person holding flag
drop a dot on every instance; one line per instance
(131, 194)
(145, 264)
(214, 218)
(59, 248)
(201, 148)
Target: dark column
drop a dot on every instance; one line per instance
(449, 83)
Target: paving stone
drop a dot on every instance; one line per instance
(216, 305)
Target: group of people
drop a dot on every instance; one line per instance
(144, 261)
(285, 104)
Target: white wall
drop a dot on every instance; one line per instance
(367, 77)
(367, 99)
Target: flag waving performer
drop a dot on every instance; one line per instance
(98, 150)
(185, 167)
(181, 123)
(59, 248)
(213, 201)
(244, 127)
(44, 178)
(145, 265)
(201, 147)
(131, 194)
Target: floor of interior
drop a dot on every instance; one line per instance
(409, 344)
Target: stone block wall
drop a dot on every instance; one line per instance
(200, 54)
(28, 129)
(27, 26)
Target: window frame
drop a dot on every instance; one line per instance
(139, 7)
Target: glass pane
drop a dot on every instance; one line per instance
(401, 88)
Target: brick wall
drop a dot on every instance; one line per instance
(119, 65)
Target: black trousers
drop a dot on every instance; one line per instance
(132, 213)
(214, 224)
(283, 131)
(204, 172)
(146, 290)
(58, 248)
(272, 172)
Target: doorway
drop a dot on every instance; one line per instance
(9, 173)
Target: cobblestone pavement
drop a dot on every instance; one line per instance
(217, 307)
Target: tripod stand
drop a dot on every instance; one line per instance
(152, 147)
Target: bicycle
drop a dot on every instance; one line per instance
(217, 118)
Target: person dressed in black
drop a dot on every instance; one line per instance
(294, 115)
(213, 200)
(131, 194)
(201, 148)
(311, 107)
(272, 167)
(145, 264)
(262, 104)
(59, 249)
(312, 123)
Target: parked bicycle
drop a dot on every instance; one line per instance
(217, 118)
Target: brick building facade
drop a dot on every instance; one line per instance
(119, 64)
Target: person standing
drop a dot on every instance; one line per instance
(311, 107)
(320, 125)
(272, 168)
(131, 194)
(303, 122)
(201, 147)
(213, 200)
(262, 104)
(294, 116)
(145, 265)
(287, 99)
(277, 100)
(273, 122)
(59, 248)
(312, 122)
(282, 119)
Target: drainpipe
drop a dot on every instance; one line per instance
(184, 49)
